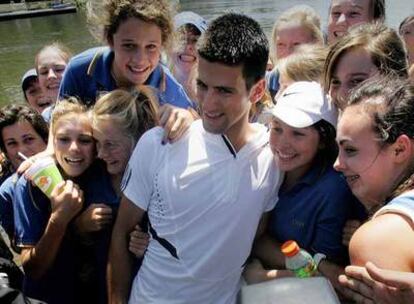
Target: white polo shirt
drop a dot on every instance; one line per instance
(205, 201)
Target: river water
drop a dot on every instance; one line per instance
(20, 39)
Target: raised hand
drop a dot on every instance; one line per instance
(66, 202)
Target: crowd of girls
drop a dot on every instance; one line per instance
(340, 170)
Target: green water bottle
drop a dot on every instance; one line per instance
(298, 260)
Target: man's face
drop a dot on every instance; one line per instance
(223, 98)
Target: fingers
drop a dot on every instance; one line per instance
(164, 113)
(175, 122)
(138, 242)
(24, 166)
(58, 188)
(139, 236)
(355, 290)
(360, 274)
(400, 280)
(168, 125)
(359, 284)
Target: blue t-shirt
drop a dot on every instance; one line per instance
(78, 271)
(272, 83)
(313, 213)
(6, 204)
(88, 75)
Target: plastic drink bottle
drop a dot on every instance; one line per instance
(298, 260)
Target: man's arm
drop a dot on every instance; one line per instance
(266, 248)
(120, 260)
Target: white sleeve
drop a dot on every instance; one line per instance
(277, 178)
(137, 181)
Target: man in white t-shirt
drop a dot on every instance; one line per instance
(206, 194)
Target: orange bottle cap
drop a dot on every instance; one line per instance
(290, 248)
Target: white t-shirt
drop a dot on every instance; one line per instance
(206, 201)
(402, 204)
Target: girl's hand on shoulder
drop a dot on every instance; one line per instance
(66, 201)
(138, 242)
(175, 122)
(96, 217)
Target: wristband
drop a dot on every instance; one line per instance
(318, 257)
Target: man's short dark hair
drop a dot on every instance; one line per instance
(234, 39)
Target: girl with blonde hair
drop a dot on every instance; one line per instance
(64, 238)
(119, 118)
(295, 26)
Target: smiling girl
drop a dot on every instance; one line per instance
(344, 14)
(119, 118)
(376, 140)
(295, 26)
(22, 130)
(183, 56)
(60, 236)
(136, 33)
(50, 63)
(314, 201)
(365, 51)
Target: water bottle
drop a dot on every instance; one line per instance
(298, 260)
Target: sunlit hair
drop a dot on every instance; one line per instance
(13, 113)
(382, 43)
(389, 102)
(236, 40)
(105, 16)
(305, 64)
(57, 47)
(298, 15)
(132, 112)
(66, 109)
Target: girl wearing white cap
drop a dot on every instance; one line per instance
(314, 200)
(183, 57)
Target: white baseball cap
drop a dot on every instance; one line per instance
(189, 17)
(303, 104)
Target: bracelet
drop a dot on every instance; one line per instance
(318, 257)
